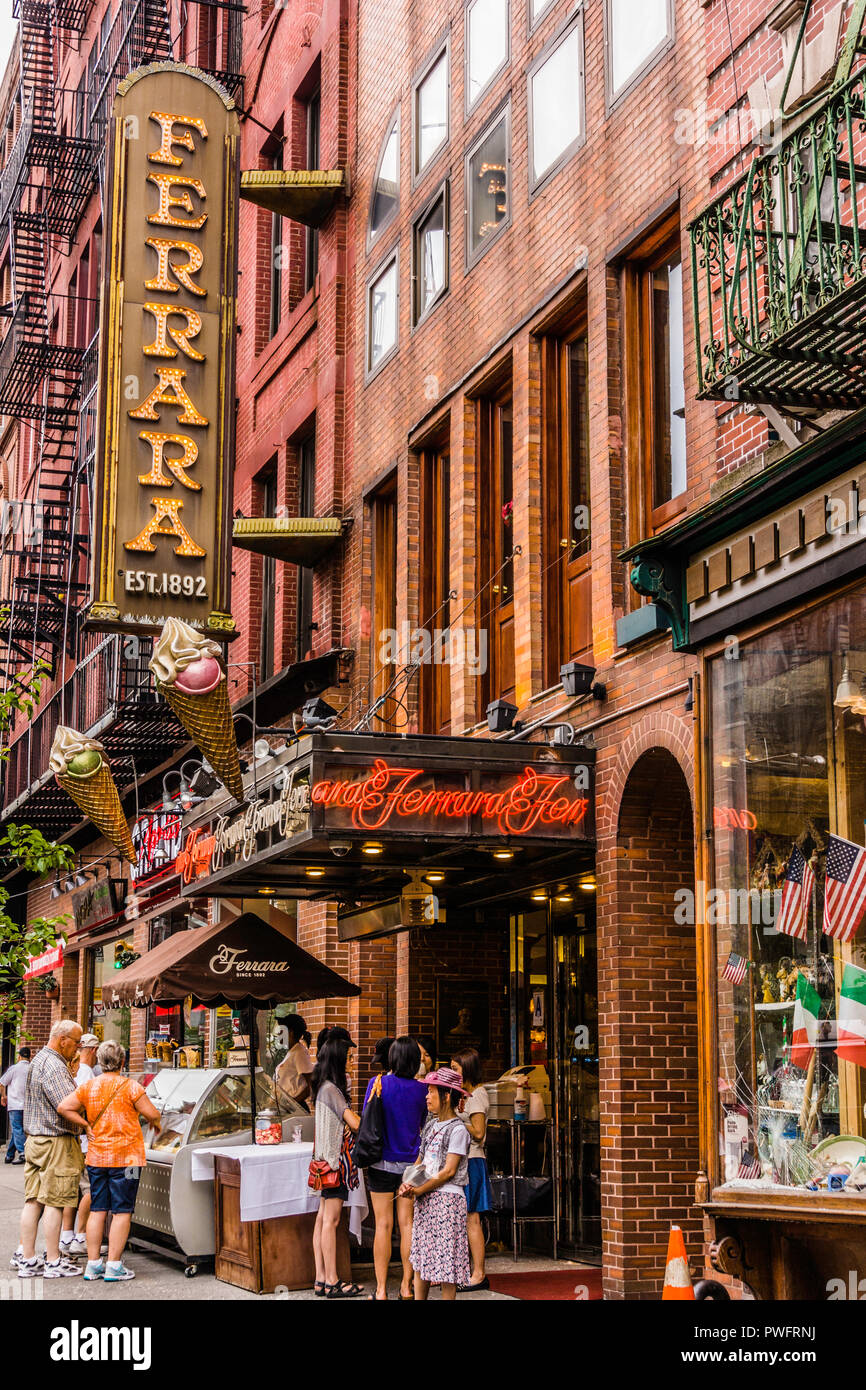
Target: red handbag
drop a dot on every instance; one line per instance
(322, 1175)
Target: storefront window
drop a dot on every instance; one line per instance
(788, 792)
(109, 1025)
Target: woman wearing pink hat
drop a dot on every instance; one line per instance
(440, 1248)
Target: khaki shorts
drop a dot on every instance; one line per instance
(52, 1169)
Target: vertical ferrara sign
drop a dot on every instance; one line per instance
(162, 516)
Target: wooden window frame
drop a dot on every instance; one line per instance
(491, 613)
(384, 517)
(644, 517)
(559, 571)
(434, 607)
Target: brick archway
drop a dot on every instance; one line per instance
(657, 730)
(648, 1033)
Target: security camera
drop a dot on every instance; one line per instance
(340, 847)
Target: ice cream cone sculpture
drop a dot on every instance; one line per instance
(190, 674)
(678, 1281)
(80, 766)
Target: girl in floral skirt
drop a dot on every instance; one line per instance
(440, 1248)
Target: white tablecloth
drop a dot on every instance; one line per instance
(274, 1181)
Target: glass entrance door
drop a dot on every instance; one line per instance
(575, 972)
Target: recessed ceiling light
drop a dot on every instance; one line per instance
(588, 887)
(539, 896)
(372, 847)
(266, 892)
(565, 898)
(435, 876)
(503, 853)
(315, 873)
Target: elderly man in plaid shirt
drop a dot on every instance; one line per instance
(53, 1157)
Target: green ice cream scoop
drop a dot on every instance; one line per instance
(83, 764)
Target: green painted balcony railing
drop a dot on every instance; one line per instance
(779, 268)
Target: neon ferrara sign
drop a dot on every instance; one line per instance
(528, 804)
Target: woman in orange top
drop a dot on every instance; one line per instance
(108, 1107)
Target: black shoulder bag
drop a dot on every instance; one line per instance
(370, 1138)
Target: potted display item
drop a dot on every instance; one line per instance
(49, 986)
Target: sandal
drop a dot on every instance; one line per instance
(343, 1290)
(319, 1288)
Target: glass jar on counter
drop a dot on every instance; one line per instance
(269, 1129)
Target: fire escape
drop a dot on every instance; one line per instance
(48, 382)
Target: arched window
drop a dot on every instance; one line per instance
(386, 185)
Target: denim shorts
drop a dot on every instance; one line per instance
(112, 1189)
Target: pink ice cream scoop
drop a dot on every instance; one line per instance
(201, 676)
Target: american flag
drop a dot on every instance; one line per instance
(845, 888)
(796, 896)
(750, 1166)
(735, 969)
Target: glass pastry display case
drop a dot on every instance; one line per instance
(204, 1107)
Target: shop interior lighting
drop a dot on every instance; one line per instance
(435, 876)
(847, 694)
(588, 886)
(565, 897)
(372, 847)
(267, 892)
(315, 873)
(539, 896)
(503, 853)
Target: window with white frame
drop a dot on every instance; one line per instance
(537, 8)
(637, 31)
(382, 315)
(386, 188)
(431, 111)
(487, 44)
(556, 102)
(430, 255)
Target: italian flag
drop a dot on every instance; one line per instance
(851, 1028)
(805, 1031)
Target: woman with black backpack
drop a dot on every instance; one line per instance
(394, 1111)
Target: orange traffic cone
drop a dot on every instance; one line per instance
(678, 1282)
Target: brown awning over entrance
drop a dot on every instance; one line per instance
(245, 960)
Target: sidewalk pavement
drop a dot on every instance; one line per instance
(158, 1277)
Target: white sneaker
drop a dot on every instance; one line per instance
(30, 1269)
(115, 1272)
(17, 1258)
(59, 1269)
(95, 1269)
(78, 1246)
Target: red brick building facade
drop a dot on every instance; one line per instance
(481, 363)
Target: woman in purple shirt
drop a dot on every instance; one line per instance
(404, 1104)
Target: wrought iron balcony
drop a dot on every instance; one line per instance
(779, 268)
